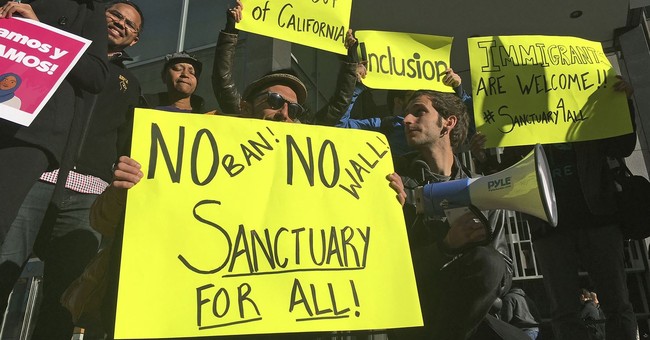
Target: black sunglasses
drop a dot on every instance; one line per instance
(276, 101)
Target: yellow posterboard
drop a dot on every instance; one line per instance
(321, 24)
(244, 226)
(405, 61)
(544, 89)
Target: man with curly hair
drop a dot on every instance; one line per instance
(459, 274)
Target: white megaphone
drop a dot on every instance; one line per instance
(526, 187)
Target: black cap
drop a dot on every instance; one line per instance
(183, 57)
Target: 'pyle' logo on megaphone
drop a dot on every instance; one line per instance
(498, 184)
(526, 187)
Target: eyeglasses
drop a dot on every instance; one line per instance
(116, 16)
(276, 101)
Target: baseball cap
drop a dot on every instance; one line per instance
(183, 57)
(277, 78)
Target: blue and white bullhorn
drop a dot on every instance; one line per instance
(526, 187)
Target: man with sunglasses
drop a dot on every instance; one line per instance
(232, 102)
(59, 203)
(276, 96)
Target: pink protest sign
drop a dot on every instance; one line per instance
(34, 60)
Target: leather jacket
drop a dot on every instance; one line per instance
(424, 229)
(223, 83)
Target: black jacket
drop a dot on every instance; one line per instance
(50, 128)
(443, 275)
(519, 310)
(103, 133)
(425, 230)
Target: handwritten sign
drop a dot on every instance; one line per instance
(34, 60)
(543, 89)
(244, 226)
(321, 24)
(405, 61)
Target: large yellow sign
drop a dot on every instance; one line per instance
(543, 89)
(405, 61)
(244, 226)
(321, 24)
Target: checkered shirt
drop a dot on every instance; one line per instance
(85, 184)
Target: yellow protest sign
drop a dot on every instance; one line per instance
(321, 24)
(244, 226)
(544, 89)
(405, 61)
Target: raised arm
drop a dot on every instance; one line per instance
(223, 84)
(12, 8)
(331, 113)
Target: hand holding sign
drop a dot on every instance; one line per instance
(127, 173)
(234, 16)
(622, 86)
(12, 8)
(451, 78)
(350, 40)
(395, 182)
(351, 44)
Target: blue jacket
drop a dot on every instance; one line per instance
(393, 126)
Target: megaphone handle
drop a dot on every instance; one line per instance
(454, 214)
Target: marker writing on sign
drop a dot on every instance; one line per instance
(322, 29)
(413, 67)
(264, 251)
(31, 61)
(497, 55)
(510, 120)
(287, 19)
(204, 144)
(314, 301)
(366, 160)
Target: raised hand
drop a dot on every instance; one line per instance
(451, 78)
(12, 8)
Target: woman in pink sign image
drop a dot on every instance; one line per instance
(9, 83)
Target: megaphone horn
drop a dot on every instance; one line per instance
(525, 187)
